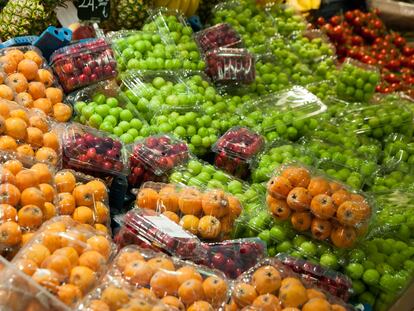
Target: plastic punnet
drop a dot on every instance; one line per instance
(220, 35)
(66, 258)
(318, 205)
(92, 151)
(83, 64)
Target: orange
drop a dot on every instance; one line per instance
(7, 176)
(138, 273)
(340, 197)
(15, 55)
(214, 203)
(343, 237)
(28, 68)
(2, 125)
(298, 176)
(37, 90)
(353, 213)
(58, 263)
(127, 257)
(34, 136)
(36, 252)
(319, 304)
(244, 294)
(266, 280)
(43, 172)
(146, 292)
(171, 216)
(98, 305)
(301, 221)
(114, 297)
(27, 266)
(13, 166)
(25, 150)
(51, 140)
(83, 277)
(93, 260)
(39, 122)
(101, 228)
(190, 201)
(48, 192)
(235, 207)
(99, 189)
(164, 283)
(20, 113)
(322, 206)
(299, 199)
(62, 112)
(7, 143)
(32, 55)
(32, 195)
(186, 273)
(215, 289)
(173, 302)
(44, 104)
(30, 217)
(26, 237)
(83, 195)
(168, 199)
(100, 244)
(49, 279)
(9, 194)
(4, 108)
(10, 233)
(70, 253)
(267, 302)
(314, 293)
(293, 295)
(101, 213)
(65, 203)
(200, 306)
(69, 294)
(336, 307)
(52, 241)
(54, 94)
(17, 82)
(65, 181)
(24, 99)
(279, 209)
(45, 76)
(319, 185)
(147, 198)
(74, 239)
(7, 212)
(279, 187)
(8, 64)
(190, 223)
(49, 211)
(48, 155)
(321, 229)
(6, 92)
(209, 227)
(84, 215)
(161, 263)
(16, 128)
(138, 304)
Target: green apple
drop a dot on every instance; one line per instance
(79, 106)
(136, 124)
(106, 127)
(95, 120)
(124, 125)
(127, 138)
(126, 115)
(102, 110)
(88, 111)
(111, 119)
(99, 99)
(112, 102)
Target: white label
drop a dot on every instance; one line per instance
(168, 226)
(67, 15)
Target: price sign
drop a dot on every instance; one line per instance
(93, 9)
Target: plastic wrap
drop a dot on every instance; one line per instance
(66, 258)
(220, 35)
(83, 64)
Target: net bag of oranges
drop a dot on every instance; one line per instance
(271, 285)
(66, 258)
(140, 276)
(84, 198)
(316, 204)
(208, 213)
(27, 197)
(28, 133)
(28, 80)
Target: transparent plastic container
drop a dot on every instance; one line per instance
(66, 258)
(164, 276)
(208, 213)
(29, 133)
(279, 285)
(153, 157)
(84, 63)
(220, 35)
(90, 196)
(28, 198)
(230, 66)
(318, 205)
(398, 150)
(236, 150)
(93, 152)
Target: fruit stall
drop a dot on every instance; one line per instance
(236, 155)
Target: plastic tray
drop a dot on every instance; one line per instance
(66, 258)
(106, 155)
(319, 205)
(220, 35)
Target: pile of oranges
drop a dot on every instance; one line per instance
(83, 198)
(30, 84)
(26, 201)
(66, 258)
(271, 286)
(152, 275)
(27, 133)
(209, 214)
(315, 204)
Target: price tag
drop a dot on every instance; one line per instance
(93, 9)
(169, 227)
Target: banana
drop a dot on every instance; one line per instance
(174, 4)
(193, 7)
(315, 4)
(184, 5)
(160, 3)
